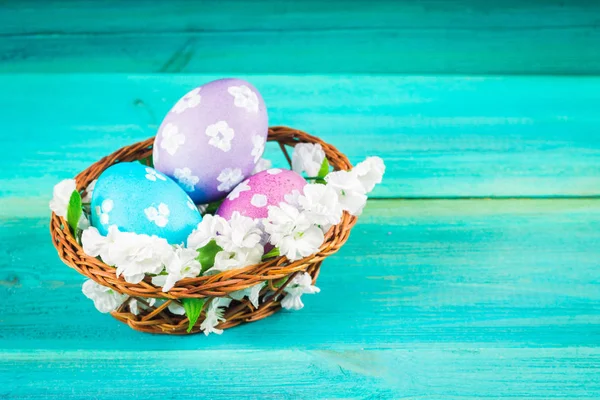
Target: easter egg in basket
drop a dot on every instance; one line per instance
(212, 138)
(253, 196)
(139, 199)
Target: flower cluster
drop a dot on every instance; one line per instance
(236, 242)
(295, 229)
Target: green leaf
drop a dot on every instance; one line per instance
(273, 253)
(280, 282)
(206, 255)
(147, 161)
(74, 211)
(213, 207)
(324, 169)
(193, 309)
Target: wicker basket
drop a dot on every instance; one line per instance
(158, 319)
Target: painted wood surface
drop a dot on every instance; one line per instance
(428, 299)
(438, 297)
(316, 37)
(439, 136)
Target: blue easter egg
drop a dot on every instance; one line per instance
(139, 199)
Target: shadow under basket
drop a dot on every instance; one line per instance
(158, 319)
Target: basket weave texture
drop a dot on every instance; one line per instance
(158, 319)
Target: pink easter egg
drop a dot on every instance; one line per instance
(253, 196)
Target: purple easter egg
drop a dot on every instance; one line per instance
(212, 138)
(253, 196)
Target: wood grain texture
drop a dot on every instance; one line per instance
(439, 136)
(428, 299)
(435, 37)
(421, 372)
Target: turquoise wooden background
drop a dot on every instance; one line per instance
(474, 271)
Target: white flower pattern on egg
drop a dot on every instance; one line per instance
(190, 100)
(171, 138)
(259, 200)
(258, 147)
(186, 179)
(273, 171)
(103, 211)
(244, 97)
(191, 205)
(229, 177)
(160, 215)
(261, 165)
(220, 135)
(152, 175)
(242, 187)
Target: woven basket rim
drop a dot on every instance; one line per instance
(218, 285)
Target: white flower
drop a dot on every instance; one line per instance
(214, 315)
(186, 179)
(94, 244)
(103, 211)
(176, 308)
(220, 135)
(242, 187)
(207, 230)
(370, 172)
(136, 305)
(258, 200)
(244, 97)
(351, 192)
(171, 138)
(261, 165)
(136, 255)
(293, 198)
(181, 264)
(308, 157)
(292, 232)
(133, 306)
(229, 177)
(302, 283)
(227, 260)
(251, 292)
(159, 216)
(264, 237)
(258, 147)
(89, 190)
(61, 195)
(320, 203)
(239, 232)
(190, 100)
(105, 299)
(152, 175)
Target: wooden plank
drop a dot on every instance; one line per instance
(30, 17)
(455, 37)
(421, 372)
(441, 299)
(496, 272)
(439, 136)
